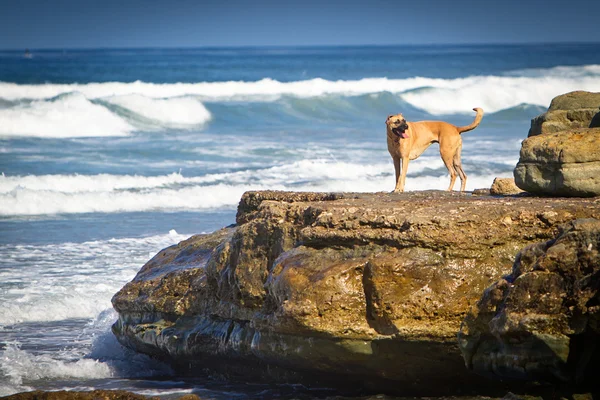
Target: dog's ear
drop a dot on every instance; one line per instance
(388, 118)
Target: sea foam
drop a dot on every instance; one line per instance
(68, 194)
(493, 93)
(68, 115)
(118, 108)
(70, 280)
(176, 111)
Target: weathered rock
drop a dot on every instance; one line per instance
(564, 163)
(504, 187)
(367, 285)
(543, 320)
(561, 156)
(567, 112)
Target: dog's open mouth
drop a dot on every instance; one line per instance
(401, 131)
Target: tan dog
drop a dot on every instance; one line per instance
(408, 140)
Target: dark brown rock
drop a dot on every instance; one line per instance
(542, 322)
(367, 285)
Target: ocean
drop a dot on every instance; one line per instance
(109, 155)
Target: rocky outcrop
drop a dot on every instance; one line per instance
(561, 156)
(569, 111)
(336, 285)
(542, 322)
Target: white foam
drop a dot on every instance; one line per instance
(57, 194)
(30, 202)
(45, 283)
(66, 194)
(78, 110)
(493, 93)
(264, 89)
(70, 280)
(20, 365)
(70, 115)
(172, 111)
(88, 183)
(94, 354)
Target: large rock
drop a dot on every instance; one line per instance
(561, 156)
(373, 286)
(543, 320)
(568, 111)
(564, 163)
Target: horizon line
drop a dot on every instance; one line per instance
(268, 46)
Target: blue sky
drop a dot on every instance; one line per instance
(184, 23)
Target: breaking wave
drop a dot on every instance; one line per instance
(68, 115)
(117, 108)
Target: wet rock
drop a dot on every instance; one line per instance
(372, 286)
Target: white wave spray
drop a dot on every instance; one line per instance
(67, 194)
(53, 290)
(118, 108)
(70, 115)
(536, 86)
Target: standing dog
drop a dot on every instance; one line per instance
(408, 140)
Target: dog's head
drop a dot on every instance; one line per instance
(398, 125)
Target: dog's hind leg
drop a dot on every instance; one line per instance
(459, 170)
(449, 162)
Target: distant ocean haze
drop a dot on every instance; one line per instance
(107, 156)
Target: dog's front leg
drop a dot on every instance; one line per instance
(401, 177)
(397, 164)
(404, 162)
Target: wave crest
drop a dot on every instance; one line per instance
(67, 115)
(118, 108)
(175, 112)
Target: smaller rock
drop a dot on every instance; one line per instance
(481, 192)
(504, 187)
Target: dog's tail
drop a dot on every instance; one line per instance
(475, 123)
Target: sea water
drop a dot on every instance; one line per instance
(108, 156)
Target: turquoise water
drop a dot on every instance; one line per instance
(107, 156)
